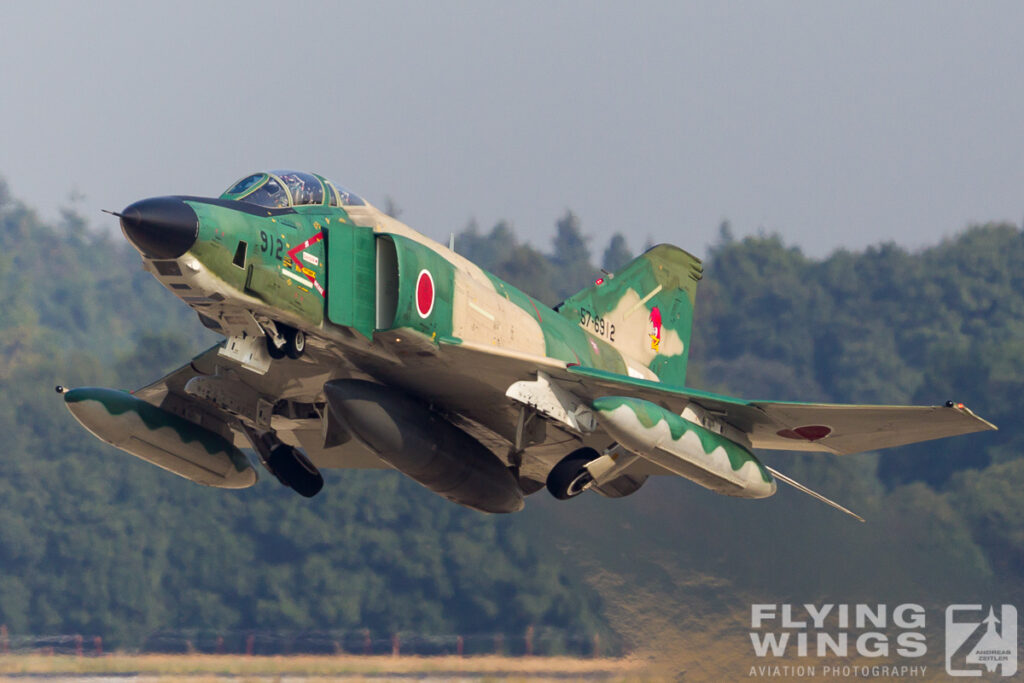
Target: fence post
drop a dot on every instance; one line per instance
(499, 644)
(5, 642)
(98, 644)
(250, 642)
(597, 645)
(459, 646)
(367, 643)
(395, 645)
(529, 640)
(78, 645)
(220, 645)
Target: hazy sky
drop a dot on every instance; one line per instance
(834, 124)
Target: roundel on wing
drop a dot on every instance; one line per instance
(807, 433)
(424, 293)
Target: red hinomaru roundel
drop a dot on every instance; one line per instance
(424, 293)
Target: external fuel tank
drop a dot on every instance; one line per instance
(421, 444)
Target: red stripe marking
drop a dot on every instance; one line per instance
(305, 245)
(535, 309)
(302, 247)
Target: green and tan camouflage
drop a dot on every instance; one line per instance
(313, 287)
(162, 438)
(684, 447)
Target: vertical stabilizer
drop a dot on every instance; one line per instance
(645, 309)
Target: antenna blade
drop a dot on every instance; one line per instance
(813, 494)
(451, 241)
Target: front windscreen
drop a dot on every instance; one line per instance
(271, 194)
(244, 186)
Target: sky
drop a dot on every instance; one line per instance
(834, 124)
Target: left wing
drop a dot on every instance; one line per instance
(775, 425)
(794, 426)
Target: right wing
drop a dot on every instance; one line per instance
(299, 425)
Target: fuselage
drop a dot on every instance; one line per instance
(337, 271)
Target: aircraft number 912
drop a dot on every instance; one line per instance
(597, 325)
(274, 246)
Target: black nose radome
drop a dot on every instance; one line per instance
(162, 227)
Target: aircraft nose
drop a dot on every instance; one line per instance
(162, 227)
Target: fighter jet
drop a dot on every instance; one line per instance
(353, 341)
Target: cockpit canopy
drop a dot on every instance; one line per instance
(281, 189)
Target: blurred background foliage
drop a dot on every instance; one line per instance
(94, 541)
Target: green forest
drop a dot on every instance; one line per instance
(93, 541)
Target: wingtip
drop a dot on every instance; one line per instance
(964, 410)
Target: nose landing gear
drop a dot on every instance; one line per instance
(284, 340)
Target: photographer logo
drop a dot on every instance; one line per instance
(980, 643)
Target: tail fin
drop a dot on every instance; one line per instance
(647, 307)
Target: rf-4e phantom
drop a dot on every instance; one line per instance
(353, 341)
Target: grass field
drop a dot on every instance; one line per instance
(201, 668)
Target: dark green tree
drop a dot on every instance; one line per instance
(571, 257)
(617, 254)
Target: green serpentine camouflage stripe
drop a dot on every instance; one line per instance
(650, 415)
(117, 403)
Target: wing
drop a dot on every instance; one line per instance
(778, 425)
(298, 423)
(833, 428)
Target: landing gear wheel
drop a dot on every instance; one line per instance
(567, 479)
(294, 342)
(275, 352)
(293, 469)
